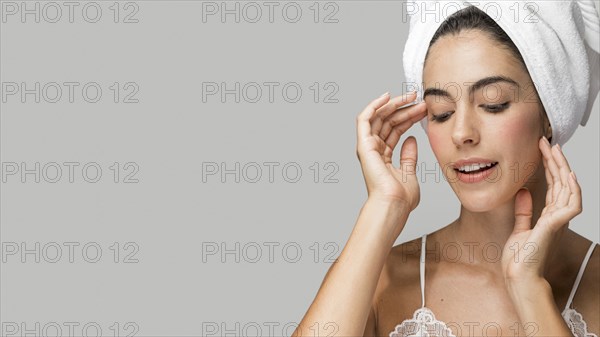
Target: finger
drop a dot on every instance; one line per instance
(575, 198)
(554, 171)
(564, 169)
(387, 154)
(399, 130)
(363, 120)
(549, 184)
(396, 103)
(409, 155)
(389, 108)
(523, 211)
(376, 123)
(396, 133)
(392, 140)
(414, 113)
(559, 218)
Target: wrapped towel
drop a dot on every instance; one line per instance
(559, 41)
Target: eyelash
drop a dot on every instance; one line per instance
(489, 108)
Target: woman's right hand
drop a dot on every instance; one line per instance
(379, 128)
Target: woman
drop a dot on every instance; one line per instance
(375, 289)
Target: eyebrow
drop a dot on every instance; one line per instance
(476, 86)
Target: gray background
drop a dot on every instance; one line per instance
(170, 213)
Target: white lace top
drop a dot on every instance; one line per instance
(424, 324)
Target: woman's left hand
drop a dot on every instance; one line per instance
(525, 254)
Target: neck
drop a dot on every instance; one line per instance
(482, 235)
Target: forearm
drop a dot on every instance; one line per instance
(346, 293)
(535, 304)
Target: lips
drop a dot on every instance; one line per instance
(470, 161)
(477, 175)
(481, 169)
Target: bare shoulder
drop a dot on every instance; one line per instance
(402, 264)
(398, 291)
(587, 298)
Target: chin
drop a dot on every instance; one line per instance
(480, 201)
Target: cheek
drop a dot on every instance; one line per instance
(517, 132)
(439, 143)
(435, 140)
(509, 131)
(520, 142)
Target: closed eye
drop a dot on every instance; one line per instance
(496, 108)
(440, 118)
(489, 108)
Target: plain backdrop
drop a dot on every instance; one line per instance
(184, 226)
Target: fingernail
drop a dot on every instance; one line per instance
(546, 140)
(387, 93)
(410, 93)
(574, 176)
(558, 147)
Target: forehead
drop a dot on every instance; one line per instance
(468, 57)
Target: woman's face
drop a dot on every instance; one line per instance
(498, 121)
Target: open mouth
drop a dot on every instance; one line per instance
(477, 171)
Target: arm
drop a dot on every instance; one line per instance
(345, 296)
(529, 291)
(535, 305)
(343, 302)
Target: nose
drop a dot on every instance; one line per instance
(465, 130)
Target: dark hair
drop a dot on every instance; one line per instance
(472, 18)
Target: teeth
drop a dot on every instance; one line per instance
(473, 167)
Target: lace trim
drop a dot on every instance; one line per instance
(576, 323)
(423, 324)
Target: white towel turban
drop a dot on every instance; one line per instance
(559, 41)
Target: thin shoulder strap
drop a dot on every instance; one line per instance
(422, 269)
(580, 274)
